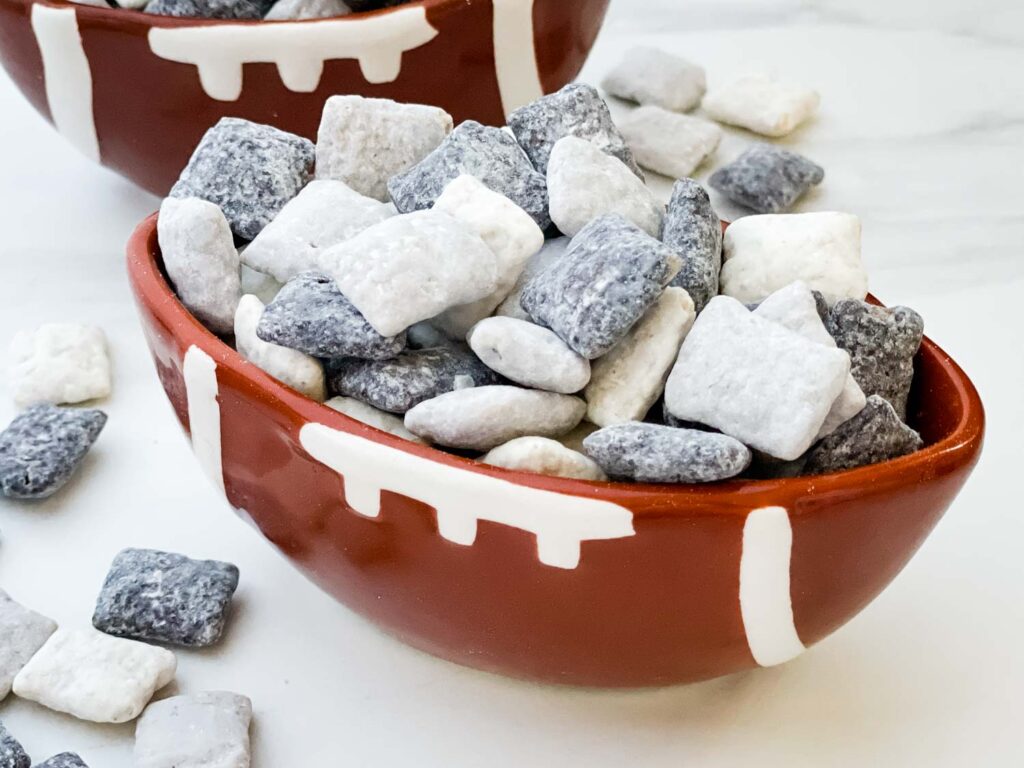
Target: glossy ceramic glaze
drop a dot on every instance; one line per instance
(136, 91)
(564, 581)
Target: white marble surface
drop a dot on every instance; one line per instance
(921, 133)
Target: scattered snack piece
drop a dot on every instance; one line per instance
(263, 287)
(162, 597)
(483, 418)
(201, 260)
(247, 169)
(374, 417)
(202, 730)
(491, 155)
(22, 633)
(210, 9)
(874, 435)
(652, 76)
(59, 363)
(766, 253)
(669, 143)
(602, 286)
(529, 355)
(41, 449)
(295, 10)
(289, 366)
(762, 104)
(552, 251)
(767, 179)
(628, 380)
(12, 754)
(364, 142)
(651, 453)
(95, 677)
(584, 183)
(64, 760)
(694, 231)
(882, 343)
(544, 456)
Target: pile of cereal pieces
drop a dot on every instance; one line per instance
(267, 10)
(109, 673)
(458, 314)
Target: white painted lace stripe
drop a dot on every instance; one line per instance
(515, 54)
(201, 389)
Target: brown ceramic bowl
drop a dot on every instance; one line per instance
(137, 91)
(565, 581)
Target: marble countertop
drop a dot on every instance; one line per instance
(921, 134)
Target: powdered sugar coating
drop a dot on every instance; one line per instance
(669, 143)
(59, 363)
(649, 75)
(762, 104)
(200, 730)
(544, 456)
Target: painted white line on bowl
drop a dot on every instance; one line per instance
(201, 389)
(515, 54)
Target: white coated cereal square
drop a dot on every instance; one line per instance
(22, 633)
(669, 143)
(762, 104)
(202, 730)
(652, 76)
(59, 363)
(544, 456)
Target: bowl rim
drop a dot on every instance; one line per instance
(960, 448)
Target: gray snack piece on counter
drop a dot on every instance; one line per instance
(296, 10)
(874, 435)
(12, 754)
(551, 251)
(544, 456)
(669, 143)
(201, 730)
(163, 597)
(694, 231)
(63, 760)
(22, 633)
(210, 9)
(767, 179)
(649, 75)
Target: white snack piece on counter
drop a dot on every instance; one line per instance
(544, 456)
(551, 251)
(762, 104)
(23, 632)
(201, 730)
(669, 143)
(650, 75)
(59, 363)
(374, 417)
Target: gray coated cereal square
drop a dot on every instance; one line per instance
(767, 179)
(12, 754)
(694, 231)
(64, 760)
(210, 9)
(874, 435)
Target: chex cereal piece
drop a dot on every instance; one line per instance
(529, 355)
(59, 363)
(767, 179)
(544, 456)
(584, 183)
(874, 435)
(289, 366)
(694, 231)
(651, 453)
(262, 286)
(324, 213)
(755, 380)
(491, 155)
(411, 268)
(210, 9)
(12, 754)
(200, 257)
(576, 110)
(64, 760)
(95, 677)
(22, 633)
(508, 231)
(765, 253)
(201, 730)
(652, 76)
(311, 315)
(669, 143)
(552, 250)
(163, 597)
(482, 418)
(249, 170)
(602, 286)
(627, 381)
(412, 377)
(374, 417)
(762, 104)
(364, 142)
(286, 10)
(42, 448)
(882, 343)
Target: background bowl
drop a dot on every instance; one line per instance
(137, 91)
(555, 580)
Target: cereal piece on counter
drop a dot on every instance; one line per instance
(544, 456)
(767, 179)
(574, 440)
(694, 231)
(12, 754)
(482, 418)
(651, 453)
(669, 143)
(649, 75)
(411, 268)
(628, 380)
(506, 228)
(64, 760)
(200, 730)
(311, 315)
(762, 104)
(576, 110)
(412, 377)
(585, 183)
(41, 449)
(550, 252)
(755, 380)
(882, 343)
(249, 170)
(210, 9)
(529, 355)
(59, 363)
(602, 286)
(364, 142)
(874, 435)
(323, 214)
(262, 286)
(374, 417)
(95, 677)
(289, 366)
(768, 252)
(200, 257)
(162, 597)
(22, 633)
(297, 10)
(491, 155)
